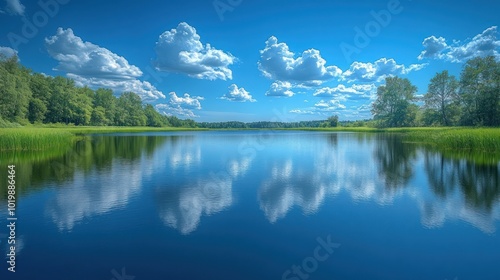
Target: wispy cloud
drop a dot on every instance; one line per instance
(14, 7)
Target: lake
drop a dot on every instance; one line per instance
(253, 205)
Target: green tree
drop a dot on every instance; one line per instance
(129, 111)
(37, 110)
(393, 107)
(480, 92)
(153, 117)
(105, 99)
(15, 93)
(59, 109)
(81, 106)
(333, 121)
(40, 86)
(441, 99)
(98, 117)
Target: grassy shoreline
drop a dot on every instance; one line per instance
(33, 138)
(448, 138)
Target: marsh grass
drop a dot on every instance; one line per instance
(60, 137)
(445, 138)
(471, 139)
(34, 139)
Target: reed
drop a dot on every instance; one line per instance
(473, 139)
(34, 139)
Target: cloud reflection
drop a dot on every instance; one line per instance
(182, 206)
(382, 170)
(92, 194)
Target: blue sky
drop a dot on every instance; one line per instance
(249, 60)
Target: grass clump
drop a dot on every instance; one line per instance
(34, 139)
(473, 139)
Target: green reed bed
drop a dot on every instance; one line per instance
(55, 137)
(34, 139)
(474, 139)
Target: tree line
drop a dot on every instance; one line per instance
(474, 100)
(28, 97)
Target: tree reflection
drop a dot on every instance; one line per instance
(394, 160)
(441, 173)
(478, 183)
(91, 153)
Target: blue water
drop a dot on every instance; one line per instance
(254, 205)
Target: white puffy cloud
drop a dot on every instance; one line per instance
(330, 105)
(94, 66)
(236, 94)
(280, 89)
(181, 106)
(343, 90)
(483, 44)
(378, 71)
(181, 51)
(277, 62)
(7, 52)
(433, 47)
(14, 7)
(144, 89)
(186, 101)
(86, 59)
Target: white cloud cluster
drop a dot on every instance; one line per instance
(323, 108)
(7, 52)
(343, 90)
(181, 106)
(433, 48)
(181, 51)
(94, 66)
(280, 89)
(328, 106)
(378, 71)
(484, 44)
(277, 62)
(14, 7)
(236, 94)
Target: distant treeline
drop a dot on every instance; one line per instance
(235, 124)
(27, 97)
(332, 121)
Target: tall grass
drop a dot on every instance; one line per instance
(34, 139)
(49, 137)
(452, 138)
(473, 139)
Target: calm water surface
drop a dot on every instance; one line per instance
(253, 205)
